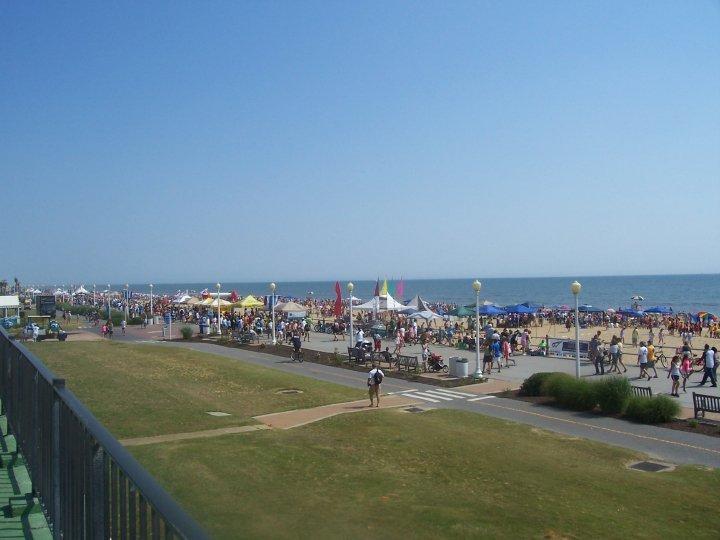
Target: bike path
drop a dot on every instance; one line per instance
(665, 444)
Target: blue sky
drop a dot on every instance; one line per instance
(196, 141)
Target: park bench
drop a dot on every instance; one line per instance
(408, 363)
(357, 356)
(641, 391)
(704, 403)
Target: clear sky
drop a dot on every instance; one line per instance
(195, 141)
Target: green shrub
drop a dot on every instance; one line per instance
(135, 320)
(550, 386)
(613, 394)
(532, 386)
(652, 410)
(571, 393)
(186, 332)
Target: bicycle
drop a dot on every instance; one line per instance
(297, 356)
(660, 357)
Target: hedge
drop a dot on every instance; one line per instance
(613, 394)
(572, 393)
(652, 410)
(533, 384)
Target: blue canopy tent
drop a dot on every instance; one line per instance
(491, 310)
(630, 312)
(520, 308)
(533, 305)
(662, 310)
(585, 308)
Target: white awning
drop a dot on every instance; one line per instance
(9, 302)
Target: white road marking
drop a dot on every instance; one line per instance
(453, 393)
(401, 391)
(438, 395)
(418, 396)
(481, 397)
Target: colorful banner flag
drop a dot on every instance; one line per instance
(400, 289)
(377, 288)
(384, 290)
(337, 311)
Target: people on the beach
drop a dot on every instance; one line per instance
(674, 372)
(642, 361)
(709, 370)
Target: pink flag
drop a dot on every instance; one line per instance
(400, 288)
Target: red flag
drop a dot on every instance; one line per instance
(338, 300)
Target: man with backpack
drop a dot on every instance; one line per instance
(375, 379)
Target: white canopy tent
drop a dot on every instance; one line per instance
(81, 290)
(381, 303)
(10, 302)
(426, 315)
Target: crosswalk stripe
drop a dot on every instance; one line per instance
(438, 395)
(418, 396)
(481, 397)
(401, 391)
(453, 393)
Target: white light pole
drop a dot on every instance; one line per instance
(217, 285)
(93, 294)
(127, 301)
(476, 287)
(108, 300)
(272, 290)
(152, 320)
(575, 288)
(350, 288)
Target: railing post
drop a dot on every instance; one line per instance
(58, 384)
(97, 493)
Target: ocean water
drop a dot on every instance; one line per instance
(685, 293)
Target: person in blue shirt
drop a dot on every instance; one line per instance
(496, 352)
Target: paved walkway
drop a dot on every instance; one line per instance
(172, 437)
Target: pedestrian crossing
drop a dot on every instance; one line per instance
(441, 395)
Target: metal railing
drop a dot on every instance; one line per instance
(89, 486)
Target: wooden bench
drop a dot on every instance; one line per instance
(704, 403)
(246, 337)
(408, 363)
(378, 358)
(641, 391)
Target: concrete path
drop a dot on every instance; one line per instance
(670, 445)
(301, 417)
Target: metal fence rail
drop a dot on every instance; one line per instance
(88, 484)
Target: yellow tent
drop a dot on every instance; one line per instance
(250, 302)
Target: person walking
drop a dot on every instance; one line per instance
(123, 325)
(709, 370)
(674, 372)
(635, 336)
(685, 369)
(375, 379)
(642, 361)
(593, 347)
(651, 358)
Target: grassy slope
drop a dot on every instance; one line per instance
(139, 390)
(439, 474)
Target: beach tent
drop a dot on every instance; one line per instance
(662, 310)
(290, 307)
(520, 308)
(561, 307)
(381, 303)
(10, 302)
(586, 308)
(426, 315)
(81, 290)
(490, 310)
(418, 304)
(193, 300)
(533, 305)
(463, 311)
(250, 302)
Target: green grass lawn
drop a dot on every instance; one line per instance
(142, 390)
(442, 474)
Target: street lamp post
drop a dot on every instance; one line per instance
(108, 301)
(476, 287)
(575, 288)
(217, 285)
(272, 290)
(350, 288)
(127, 301)
(93, 295)
(152, 319)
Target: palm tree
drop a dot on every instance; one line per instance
(3, 287)
(17, 286)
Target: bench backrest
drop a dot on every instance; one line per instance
(405, 359)
(704, 402)
(641, 391)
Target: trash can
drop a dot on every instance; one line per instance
(156, 319)
(461, 368)
(452, 366)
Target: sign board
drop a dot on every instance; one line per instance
(565, 348)
(45, 304)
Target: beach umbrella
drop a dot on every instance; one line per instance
(290, 307)
(534, 305)
(586, 308)
(630, 312)
(637, 297)
(609, 310)
(662, 310)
